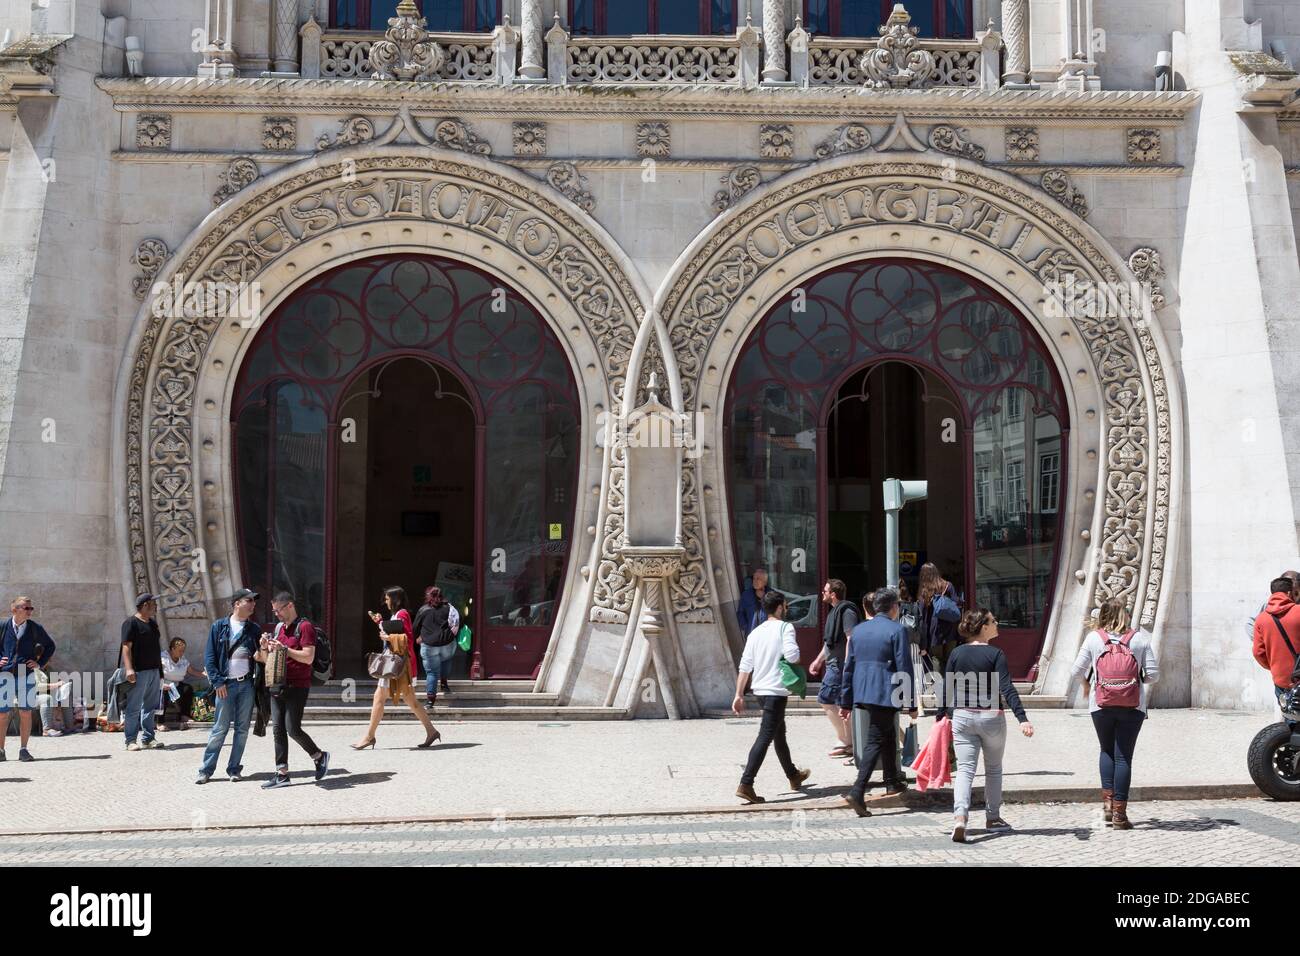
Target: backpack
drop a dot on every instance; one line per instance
(324, 659)
(943, 620)
(1119, 682)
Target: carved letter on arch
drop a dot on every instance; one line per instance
(1016, 224)
(272, 223)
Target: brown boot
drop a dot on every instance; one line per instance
(746, 792)
(1107, 798)
(1119, 815)
(796, 783)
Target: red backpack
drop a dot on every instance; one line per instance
(1119, 679)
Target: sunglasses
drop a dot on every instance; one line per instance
(23, 607)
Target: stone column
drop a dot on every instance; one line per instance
(1078, 67)
(557, 53)
(798, 40)
(1015, 34)
(219, 54)
(530, 25)
(774, 41)
(750, 42)
(285, 46)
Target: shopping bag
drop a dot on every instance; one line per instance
(465, 639)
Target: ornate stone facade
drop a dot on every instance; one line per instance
(279, 133)
(735, 183)
(1144, 146)
(948, 139)
(776, 141)
(653, 140)
(153, 131)
(529, 139)
(1022, 144)
(572, 184)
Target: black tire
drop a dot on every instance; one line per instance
(1274, 764)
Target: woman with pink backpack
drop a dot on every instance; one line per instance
(1121, 663)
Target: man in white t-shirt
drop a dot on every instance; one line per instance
(766, 646)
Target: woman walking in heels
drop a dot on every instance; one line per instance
(397, 689)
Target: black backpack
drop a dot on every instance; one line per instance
(321, 663)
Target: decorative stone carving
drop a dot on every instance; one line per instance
(530, 26)
(153, 131)
(218, 30)
(774, 41)
(252, 237)
(1022, 144)
(652, 562)
(1015, 34)
(457, 134)
(352, 132)
(285, 45)
(406, 52)
(1146, 265)
(240, 174)
(279, 133)
(1144, 146)
(900, 136)
(898, 61)
(951, 139)
(598, 60)
(653, 139)
(566, 178)
(736, 183)
(1058, 186)
(1011, 222)
(776, 141)
(150, 256)
(529, 139)
(849, 138)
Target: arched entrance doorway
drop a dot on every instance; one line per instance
(895, 368)
(410, 420)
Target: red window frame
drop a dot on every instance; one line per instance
(602, 17)
(938, 8)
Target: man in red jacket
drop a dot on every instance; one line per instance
(1277, 635)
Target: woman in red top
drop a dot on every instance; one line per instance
(398, 689)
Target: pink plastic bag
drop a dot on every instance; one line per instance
(931, 764)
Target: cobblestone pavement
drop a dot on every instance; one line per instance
(1180, 833)
(89, 781)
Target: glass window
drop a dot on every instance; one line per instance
(863, 18)
(1049, 478)
(626, 18)
(1015, 405)
(443, 16)
(637, 17)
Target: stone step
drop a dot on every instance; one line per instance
(469, 698)
(360, 714)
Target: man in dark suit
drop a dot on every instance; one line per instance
(878, 677)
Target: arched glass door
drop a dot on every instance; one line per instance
(410, 391)
(914, 369)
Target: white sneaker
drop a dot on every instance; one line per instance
(133, 746)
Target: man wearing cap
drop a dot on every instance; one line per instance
(142, 668)
(233, 644)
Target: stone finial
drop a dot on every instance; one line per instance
(898, 61)
(406, 52)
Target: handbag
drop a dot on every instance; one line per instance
(385, 664)
(793, 677)
(275, 671)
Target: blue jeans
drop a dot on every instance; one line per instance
(1117, 733)
(433, 659)
(236, 709)
(140, 705)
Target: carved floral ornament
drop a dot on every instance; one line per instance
(1136, 415)
(898, 61)
(406, 52)
(249, 243)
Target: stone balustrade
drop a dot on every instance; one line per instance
(346, 55)
(708, 61)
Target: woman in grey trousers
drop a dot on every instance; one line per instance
(1117, 727)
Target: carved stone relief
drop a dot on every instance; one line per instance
(776, 141)
(254, 236)
(654, 140)
(736, 183)
(849, 138)
(1144, 146)
(566, 178)
(353, 131)
(955, 140)
(1057, 184)
(529, 139)
(1013, 223)
(1022, 144)
(279, 133)
(153, 131)
(240, 174)
(898, 61)
(458, 135)
(406, 52)
(150, 256)
(1147, 267)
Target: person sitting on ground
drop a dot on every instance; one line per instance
(180, 675)
(54, 702)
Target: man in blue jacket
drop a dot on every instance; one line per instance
(24, 647)
(878, 677)
(233, 648)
